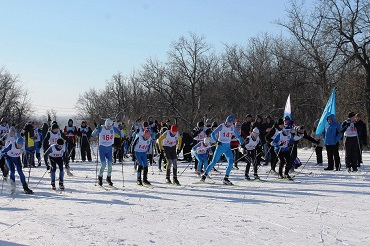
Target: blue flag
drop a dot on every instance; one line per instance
(330, 108)
(288, 108)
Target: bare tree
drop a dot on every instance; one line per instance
(350, 19)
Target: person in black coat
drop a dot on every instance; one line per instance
(362, 136)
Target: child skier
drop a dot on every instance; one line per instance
(201, 151)
(282, 143)
(56, 154)
(14, 152)
(167, 142)
(225, 131)
(250, 146)
(140, 147)
(106, 140)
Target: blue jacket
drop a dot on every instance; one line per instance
(332, 134)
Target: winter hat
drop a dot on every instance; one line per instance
(54, 126)
(174, 129)
(280, 121)
(70, 120)
(351, 114)
(214, 124)
(145, 124)
(286, 118)
(237, 123)
(12, 129)
(200, 124)
(248, 115)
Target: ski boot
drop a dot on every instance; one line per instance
(176, 181)
(109, 180)
(203, 178)
(288, 177)
(168, 181)
(61, 186)
(100, 180)
(27, 190)
(256, 176)
(53, 185)
(139, 182)
(247, 177)
(146, 182)
(226, 180)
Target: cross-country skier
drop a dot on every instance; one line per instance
(250, 149)
(225, 131)
(278, 126)
(71, 132)
(201, 151)
(3, 165)
(56, 153)
(168, 142)
(140, 147)
(106, 140)
(4, 127)
(282, 144)
(51, 138)
(13, 154)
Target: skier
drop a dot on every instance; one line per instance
(282, 144)
(4, 127)
(3, 165)
(265, 129)
(38, 144)
(352, 148)
(250, 149)
(234, 144)
(140, 147)
(14, 152)
(84, 133)
(167, 142)
(199, 133)
(225, 131)
(56, 155)
(117, 145)
(161, 152)
(318, 147)
(28, 132)
(71, 132)
(201, 151)
(51, 138)
(278, 126)
(106, 140)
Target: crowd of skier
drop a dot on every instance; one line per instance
(255, 142)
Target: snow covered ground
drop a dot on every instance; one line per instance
(322, 208)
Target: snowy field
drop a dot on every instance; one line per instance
(320, 208)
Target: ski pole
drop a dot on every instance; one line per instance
(306, 162)
(2, 186)
(42, 177)
(123, 177)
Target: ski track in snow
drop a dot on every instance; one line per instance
(325, 208)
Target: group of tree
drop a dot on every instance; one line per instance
(327, 46)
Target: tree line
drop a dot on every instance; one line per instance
(327, 47)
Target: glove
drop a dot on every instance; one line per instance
(47, 167)
(317, 142)
(281, 144)
(95, 124)
(40, 144)
(162, 152)
(218, 143)
(178, 151)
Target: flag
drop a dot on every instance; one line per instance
(288, 109)
(330, 108)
